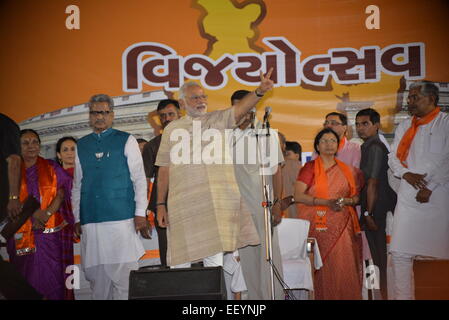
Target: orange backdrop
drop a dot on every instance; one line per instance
(44, 66)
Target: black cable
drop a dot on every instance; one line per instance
(281, 281)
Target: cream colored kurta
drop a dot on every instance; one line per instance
(423, 228)
(204, 210)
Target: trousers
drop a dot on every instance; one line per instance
(403, 287)
(110, 281)
(212, 261)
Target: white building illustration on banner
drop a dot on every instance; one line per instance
(131, 115)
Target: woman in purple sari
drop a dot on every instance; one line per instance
(65, 153)
(36, 250)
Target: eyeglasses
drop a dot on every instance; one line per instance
(197, 98)
(97, 113)
(332, 123)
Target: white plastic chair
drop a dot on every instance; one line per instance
(297, 261)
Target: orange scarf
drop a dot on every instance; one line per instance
(47, 191)
(409, 135)
(342, 143)
(322, 191)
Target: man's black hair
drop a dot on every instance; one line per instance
(163, 103)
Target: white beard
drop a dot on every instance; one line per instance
(194, 113)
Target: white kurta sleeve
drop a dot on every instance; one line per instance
(437, 163)
(393, 162)
(76, 189)
(137, 172)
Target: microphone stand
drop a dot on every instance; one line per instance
(267, 205)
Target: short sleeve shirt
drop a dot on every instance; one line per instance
(374, 165)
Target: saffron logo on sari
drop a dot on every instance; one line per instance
(320, 220)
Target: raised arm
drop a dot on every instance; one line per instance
(250, 100)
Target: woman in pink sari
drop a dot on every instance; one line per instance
(326, 192)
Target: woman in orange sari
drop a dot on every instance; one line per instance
(326, 191)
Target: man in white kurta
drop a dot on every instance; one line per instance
(110, 247)
(248, 152)
(421, 219)
(256, 269)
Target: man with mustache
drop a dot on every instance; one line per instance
(419, 157)
(348, 152)
(168, 110)
(203, 211)
(109, 200)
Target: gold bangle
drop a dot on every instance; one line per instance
(13, 197)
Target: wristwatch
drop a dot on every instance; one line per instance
(260, 95)
(366, 214)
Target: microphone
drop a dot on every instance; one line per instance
(267, 114)
(252, 120)
(266, 123)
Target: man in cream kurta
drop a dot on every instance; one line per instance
(203, 199)
(421, 219)
(203, 211)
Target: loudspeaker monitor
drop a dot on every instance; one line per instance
(203, 283)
